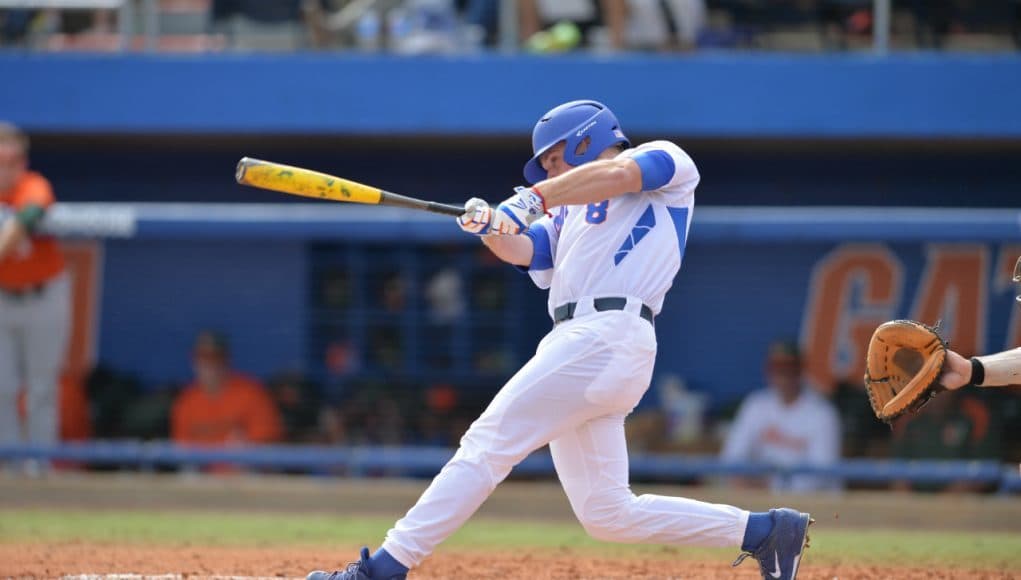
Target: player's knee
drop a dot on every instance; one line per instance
(609, 530)
(609, 519)
(602, 531)
(499, 456)
(480, 465)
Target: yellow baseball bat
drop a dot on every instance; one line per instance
(308, 183)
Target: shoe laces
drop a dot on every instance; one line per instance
(351, 567)
(741, 558)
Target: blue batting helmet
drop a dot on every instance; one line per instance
(573, 122)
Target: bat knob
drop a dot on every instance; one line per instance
(239, 173)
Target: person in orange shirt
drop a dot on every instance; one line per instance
(35, 305)
(222, 406)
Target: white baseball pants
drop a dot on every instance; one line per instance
(586, 376)
(34, 331)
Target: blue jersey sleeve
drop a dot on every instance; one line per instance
(657, 167)
(668, 173)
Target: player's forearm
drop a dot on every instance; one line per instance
(515, 250)
(12, 232)
(1001, 369)
(591, 183)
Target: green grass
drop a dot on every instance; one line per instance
(906, 548)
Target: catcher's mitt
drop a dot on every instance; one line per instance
(902, 368)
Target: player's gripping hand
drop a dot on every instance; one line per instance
(477, 217)
(518, 211)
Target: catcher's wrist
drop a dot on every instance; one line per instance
(978, 372)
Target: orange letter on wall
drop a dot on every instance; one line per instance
(954, 289)
(854, 289)
(1004, 282)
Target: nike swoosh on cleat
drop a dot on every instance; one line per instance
(776, 573)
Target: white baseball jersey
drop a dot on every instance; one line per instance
(630, 245)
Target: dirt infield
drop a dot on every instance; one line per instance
(94, 526)
(37, 560)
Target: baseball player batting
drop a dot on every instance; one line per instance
(604, 228)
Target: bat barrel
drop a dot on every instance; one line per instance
(308, 183)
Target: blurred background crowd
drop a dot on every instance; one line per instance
(782, 421)
(542, 26)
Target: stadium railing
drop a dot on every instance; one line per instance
(362, 461)
(353, 222)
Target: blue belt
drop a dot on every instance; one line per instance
(566, 311)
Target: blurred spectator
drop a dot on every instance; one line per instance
(938, 21)
(272, 25)
(437, 419)
(297, 399)
(953, 425)
(341, 358)
(665, 24)
(485, 15)
(373, 415)
(548, 26)
(35, 303)
(393, 294)
(75, 423)
(403, 26)
(568, 22)
(1006, 402)
(221, 406)
(863, 435)
(335, 289)
(786, 424)
(147, 416)
(445, 295)
(385, 352)
(334, 426)
(110, 395)
(670, 417)
(15, 25)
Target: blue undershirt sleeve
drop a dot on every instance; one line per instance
(657, 168)
(542, 250)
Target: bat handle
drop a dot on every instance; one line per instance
(445, 209)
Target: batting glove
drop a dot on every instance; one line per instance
(476, 218)
(517, 212)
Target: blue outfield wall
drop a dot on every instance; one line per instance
(749, 276)
(761, 95)
(156, 296)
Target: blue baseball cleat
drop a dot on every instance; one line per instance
(354, 571)
(780, 553)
